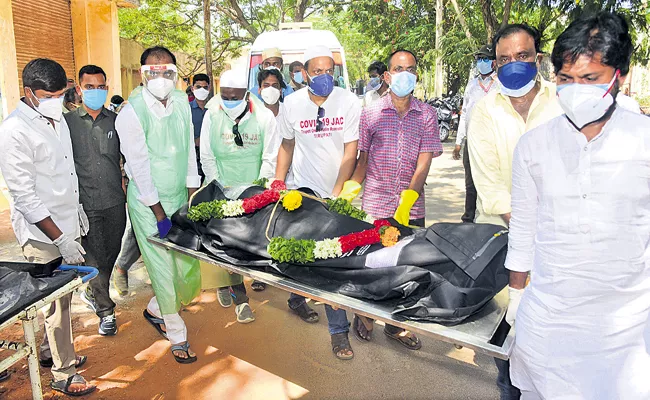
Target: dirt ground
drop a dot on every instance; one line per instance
(276, 357)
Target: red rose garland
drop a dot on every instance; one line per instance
(364, 238)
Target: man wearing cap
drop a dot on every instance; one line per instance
(320, 130)
(157, 140)
(484, 83)
(271, 59)
(238, 145)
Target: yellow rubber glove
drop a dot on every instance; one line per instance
(406, 201)
(350, 190)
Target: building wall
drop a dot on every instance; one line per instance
(71, 32)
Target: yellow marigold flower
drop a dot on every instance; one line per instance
(292, 200)
(389, 236)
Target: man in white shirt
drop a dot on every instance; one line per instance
(320, 130)
(157, 141)
(477, 88)
(38, 166)
(377, 86)
(239, 145)
(581, 225)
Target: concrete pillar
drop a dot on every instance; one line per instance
(8, 65)
(96, 38)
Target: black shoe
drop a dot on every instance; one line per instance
(108, 325)
(4, 375)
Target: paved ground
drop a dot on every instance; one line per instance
(276, 357)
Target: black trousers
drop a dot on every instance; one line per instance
(240, 294)
(102, 245)
(470, 189)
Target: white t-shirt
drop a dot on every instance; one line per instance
(317, 156)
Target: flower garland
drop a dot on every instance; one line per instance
(234, 208)
(304, 251)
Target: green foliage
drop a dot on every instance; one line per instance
(291, 250)
(261, 182)
(344, 207)
(206, 211)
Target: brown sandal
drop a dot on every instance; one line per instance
(341, 346)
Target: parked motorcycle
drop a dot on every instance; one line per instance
(448, 110)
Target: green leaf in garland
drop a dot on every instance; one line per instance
(291, 250)
(344, 207)
(261, 182)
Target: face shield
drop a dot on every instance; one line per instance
(159, 80)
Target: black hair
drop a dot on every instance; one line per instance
(44, 74)
(91, 70)
(511, 29)
(605, 33)
(158, 52)
(294, 65)
(200, 77)
(379, 66)
(117, 99)
(263, 74)
(390, 57)
(70, 96)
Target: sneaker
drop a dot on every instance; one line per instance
(244, 313)
(224, 296)
(88, 298)
(121, 281)
(108, 325)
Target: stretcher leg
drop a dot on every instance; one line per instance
(29, 328)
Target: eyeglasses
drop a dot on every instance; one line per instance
(319, 119)
(484, 59)
(238, 139)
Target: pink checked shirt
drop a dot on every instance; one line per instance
(393, 146)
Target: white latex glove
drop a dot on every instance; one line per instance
(513, 305)
(71, 251)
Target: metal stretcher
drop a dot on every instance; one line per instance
(29, 319)
(478, 333)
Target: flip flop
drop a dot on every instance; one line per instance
(186, 349)
(4, 375)
(63, 386)
(410, 342)
(155, 322)
(358, 324)
(306, 313)
(49, 362)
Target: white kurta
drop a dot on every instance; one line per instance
(581, 222)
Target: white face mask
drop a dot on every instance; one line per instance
(585, 103)
(201, 94)
(49, 108)
(518, 92)
(160, 88)
(235, 111)
(270, 95)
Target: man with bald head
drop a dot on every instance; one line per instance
(238, 145)
(523, 101)
(319, 131)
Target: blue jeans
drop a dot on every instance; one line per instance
(507, 390)
(337, 320)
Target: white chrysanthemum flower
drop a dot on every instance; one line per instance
(369, 219)
(328, 248)
(233, 208)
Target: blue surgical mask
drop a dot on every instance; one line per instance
(402, 83)
(297, 77)
(94, 98)
(231, 103)
(321, 85)
(484, 66)
(374, 83)
(517, 78)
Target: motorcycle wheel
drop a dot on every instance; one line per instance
(444, 133)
